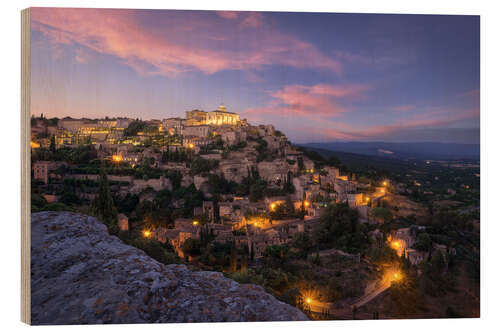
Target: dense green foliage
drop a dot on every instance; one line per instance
(340, 228)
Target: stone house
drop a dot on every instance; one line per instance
(42, 170)
(157, 184)
(275, 171)
(123, 222)
(209, 210)
(415, 256)
(225, 209)
(355, 199)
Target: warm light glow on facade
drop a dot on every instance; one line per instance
(117, 158)
(307, 203)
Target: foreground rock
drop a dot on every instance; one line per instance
(82, 275)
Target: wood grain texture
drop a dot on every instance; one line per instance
(25, 166)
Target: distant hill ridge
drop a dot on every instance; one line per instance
(419, 150)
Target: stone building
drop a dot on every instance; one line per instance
(123, 222)
(71, 125)
(225, 209)
(200, 131)
(415, 256)
(208, 209)
(222, 117)
(218, 117)
(355, 199)
(42, 169)
(276, 170)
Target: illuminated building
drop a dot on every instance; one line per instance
(218, 117)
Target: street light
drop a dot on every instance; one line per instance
(146, 233)
(396, 245)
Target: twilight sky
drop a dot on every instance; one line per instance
(315, 76)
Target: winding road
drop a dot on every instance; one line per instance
(373, 290)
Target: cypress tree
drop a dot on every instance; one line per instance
(244, 263)
(103, 207)
(233, 263)
(52, 147)
(252, 254)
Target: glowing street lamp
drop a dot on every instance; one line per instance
(306, 203)
(272, 206)
(308, 300)
(195, 222)
(190, 146)
(384, 183)
(146, 233)
(396, 245)
(396, 276)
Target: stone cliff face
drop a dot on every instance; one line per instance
(82, 275)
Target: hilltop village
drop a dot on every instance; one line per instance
(215, 191)
(227, 148)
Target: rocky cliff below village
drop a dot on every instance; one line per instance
(82, 275)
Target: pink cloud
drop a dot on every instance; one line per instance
(227, 14)
(167, 52)
(424, 120)
(321, 100)
(316, 105)
(253, 20)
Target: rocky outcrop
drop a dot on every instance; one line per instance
(82, 275)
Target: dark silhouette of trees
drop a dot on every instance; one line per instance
(103, 206)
